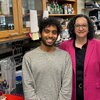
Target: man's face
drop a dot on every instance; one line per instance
(81, 27)
(49, 36)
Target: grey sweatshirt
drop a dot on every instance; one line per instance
(47, 76)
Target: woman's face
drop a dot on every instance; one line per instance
(81, 27)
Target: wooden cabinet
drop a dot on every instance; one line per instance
(8, 18)
(24, 7)
(15, 18)
(62, 3)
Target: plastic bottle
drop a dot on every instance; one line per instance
(65, 9)
(19, 88)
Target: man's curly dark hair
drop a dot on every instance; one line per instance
(50, 21)
(71, 26)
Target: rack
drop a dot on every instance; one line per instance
(16, 49)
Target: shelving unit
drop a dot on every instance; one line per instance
(61, 2)
(62, 15)
(16, 49)
(89, 9)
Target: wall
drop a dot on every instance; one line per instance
(80, 6)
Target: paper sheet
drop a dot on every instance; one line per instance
(33, 21)
(45, 14)
(34, 24)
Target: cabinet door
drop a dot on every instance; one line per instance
(8, 18)
(24, 7)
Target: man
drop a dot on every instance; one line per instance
(47, 70)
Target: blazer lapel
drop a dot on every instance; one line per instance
(72, 53)
(89, 50)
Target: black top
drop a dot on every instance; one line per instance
(80, 56)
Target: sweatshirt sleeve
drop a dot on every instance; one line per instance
(66, 88)
(28, 81)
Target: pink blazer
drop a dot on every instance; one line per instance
(91, 68)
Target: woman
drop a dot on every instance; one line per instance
(85, 55)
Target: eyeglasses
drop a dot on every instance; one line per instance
(48, 31)
(83, 26)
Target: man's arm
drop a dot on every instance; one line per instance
(28, 81)
(66, 89)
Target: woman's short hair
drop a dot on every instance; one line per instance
(71, 26)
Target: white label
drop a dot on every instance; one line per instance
(35, 36)
(45, 14)
(33, 21)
